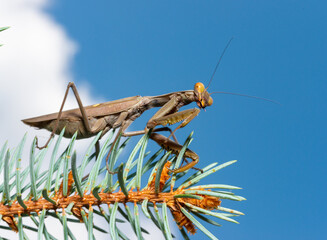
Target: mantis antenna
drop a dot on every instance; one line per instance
(244, 95)
(237, 94)
(221, 56)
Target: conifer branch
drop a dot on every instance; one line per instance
(62, 192)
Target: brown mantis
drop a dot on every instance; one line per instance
(89, 121)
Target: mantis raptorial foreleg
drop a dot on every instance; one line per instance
(166, 109)
(168, 114)
(186, 116)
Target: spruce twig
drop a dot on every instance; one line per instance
(64, 192)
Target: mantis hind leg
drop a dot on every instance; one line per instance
(81, 107)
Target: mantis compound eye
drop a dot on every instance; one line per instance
(199, 87)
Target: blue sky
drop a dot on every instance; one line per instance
(278, 52)
(128, 48)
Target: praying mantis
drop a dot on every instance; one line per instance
(89, 121)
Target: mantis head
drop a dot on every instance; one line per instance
(202, 97)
